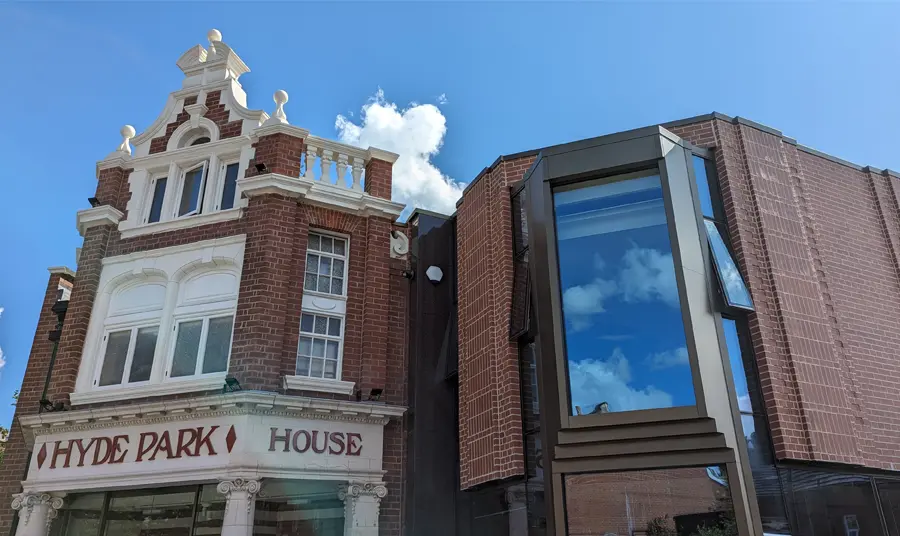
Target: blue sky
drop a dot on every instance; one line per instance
(515, 76)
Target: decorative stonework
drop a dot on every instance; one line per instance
(399, 245)
(26, 503)
(353, 491)
(239, 486)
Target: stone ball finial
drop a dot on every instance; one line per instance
(280, 97)
(214, 35)
(127, 132)
(278, 116)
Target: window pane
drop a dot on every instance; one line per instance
(299, 508)
(218, 345)
(326, 246)
(318, 348)
(325, 266)
(191, 191)
(114, 359)
(159, 194)
(144, 348)
(706, 205)
(663, 501)
(889, 494)
(210, 511)
(311, 282)
(624, 335)
(331, 351)
(340, 247)
(337, 286)
(312, 263)
(830, 503)
(187, 343)
(230, 187)
(330, 369)
(334, 327)
(160, 511)
(315, 369)
(321, 325)
(337, 268)
(303, 366)
(735, 357)
(324, 283)
(306, 323)
(305, 346)
(313, 242)
(733, 287)
(79, 515)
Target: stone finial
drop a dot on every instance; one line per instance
(127, 133)
(213, 36)
(278, 116)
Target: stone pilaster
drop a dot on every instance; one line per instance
(240, 505)
(36, 512)
(362, 503)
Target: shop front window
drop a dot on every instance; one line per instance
(299, 508)
(830, 504)
(174, 511)
(624, 334)
(692, 501)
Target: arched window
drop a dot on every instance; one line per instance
(130, 334)
(203, 321)
(200, 140)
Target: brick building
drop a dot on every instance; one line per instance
(658, 330)
(231, 359)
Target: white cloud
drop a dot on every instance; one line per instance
(648, 275)
(442, 98)
(416, 133)
(582, 301)
(595, 381)
(668, 359)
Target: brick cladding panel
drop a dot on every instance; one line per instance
(216, 113)
(490, 423)
(16, 458)
(819, 243)
(617, 503)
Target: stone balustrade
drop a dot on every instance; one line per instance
(334, 163)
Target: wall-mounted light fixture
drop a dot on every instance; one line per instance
(434, 274)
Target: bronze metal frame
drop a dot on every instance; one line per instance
(701, 435)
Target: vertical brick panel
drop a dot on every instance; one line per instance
(14, 466)
(490, 424)
(81, 303)
(256, 356)
(279, 152)
(375, 312)
(378, 178)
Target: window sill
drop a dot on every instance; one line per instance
(321, 385)
(170, 387)
(184, 222)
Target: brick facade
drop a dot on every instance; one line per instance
(215, 112)
(490, 420)
(17, 455)
(817, 240)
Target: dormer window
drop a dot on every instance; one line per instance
(191, 193)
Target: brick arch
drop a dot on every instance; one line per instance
(331, 220)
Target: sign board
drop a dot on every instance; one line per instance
(180, 449)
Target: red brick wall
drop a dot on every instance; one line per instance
(819, 243)
(15, 460)
(216, 113)
(490, 422)
(279, 152)
(378, 178)
(619, 503)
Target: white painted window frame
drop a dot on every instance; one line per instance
(224, 162)
(179, 194)
(172, 338)
(345, 258)
(151, 190)
(133, 326)
(338, 338)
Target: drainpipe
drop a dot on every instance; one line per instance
(60, 308)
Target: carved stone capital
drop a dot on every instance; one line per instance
(27, 503)
(399, 244)
(232, 490)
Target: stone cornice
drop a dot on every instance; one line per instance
(380, 154)
(117, 159)
(280, 128)
(97, 216)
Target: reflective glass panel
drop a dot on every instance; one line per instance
(79, 516)
(144, 348)
(114, 359)
(218, 344)
(830, 504)
(705, 197)
(159, 194)
(624, 335)
(187, 344)
(733, 287)
(191, 191)
(155, 512)
(299, 508)
(228, 190)
(670, 502)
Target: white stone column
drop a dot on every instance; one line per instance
(240, 505)
(362, 504)
(36, 512)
